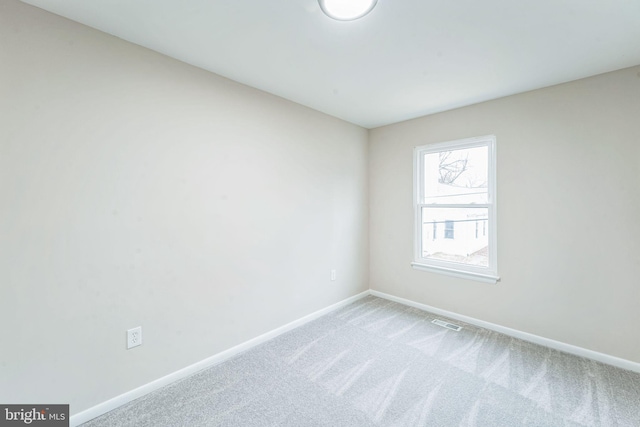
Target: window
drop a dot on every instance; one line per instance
(455, 189)
(448, 229)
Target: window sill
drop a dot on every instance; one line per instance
(479, 277)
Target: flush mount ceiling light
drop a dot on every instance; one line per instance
(346, 10)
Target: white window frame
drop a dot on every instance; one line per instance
(487, 274)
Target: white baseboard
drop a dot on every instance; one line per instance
(557, 345)
(111, 404)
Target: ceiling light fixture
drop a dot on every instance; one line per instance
(346, 10)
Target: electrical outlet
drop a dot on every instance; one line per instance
(333, 275)
(134, 337)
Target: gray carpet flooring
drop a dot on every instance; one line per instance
(379, 363)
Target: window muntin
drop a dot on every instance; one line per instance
(454, 197)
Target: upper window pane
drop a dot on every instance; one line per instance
(457, 176)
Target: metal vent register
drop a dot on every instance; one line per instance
(446, 325)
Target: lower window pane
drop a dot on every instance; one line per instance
(456, 235)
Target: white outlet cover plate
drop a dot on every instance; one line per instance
(134, 337)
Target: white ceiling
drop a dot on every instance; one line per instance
(407, 58)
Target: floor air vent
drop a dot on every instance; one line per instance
(446, 325)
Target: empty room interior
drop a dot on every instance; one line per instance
(246, 213)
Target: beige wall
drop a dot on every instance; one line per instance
(137, 190)
(568, 212)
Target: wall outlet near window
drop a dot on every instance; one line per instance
(134, 337)
(333, 275)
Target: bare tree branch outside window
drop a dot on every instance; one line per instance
(451, 168)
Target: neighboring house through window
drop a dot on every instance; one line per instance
(455, 189)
